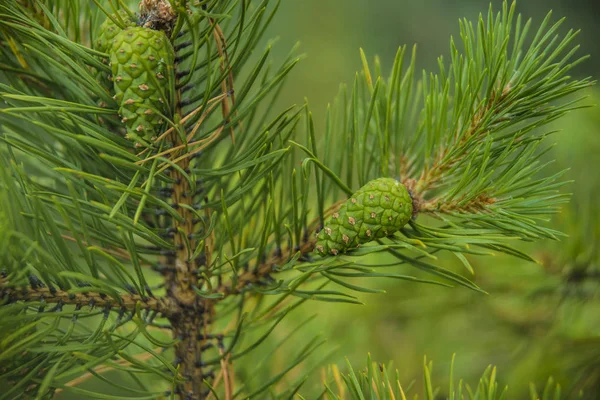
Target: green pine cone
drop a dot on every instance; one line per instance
(142, 62)
(376, 210)
(108, 31)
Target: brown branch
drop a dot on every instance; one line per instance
(478, 204)
(215, 383)
(163, 305)
(184, 146)
(431, 176)
(266, 268)
(220, 40)
(226, 84)
(262, 271)
(191, 324)
(227, 376)
(169, 131)
(217, 380)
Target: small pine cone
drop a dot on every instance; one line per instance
(108, 31)
(142, 63)
(376, 210)
(106, 34)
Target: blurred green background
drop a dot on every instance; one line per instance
(331, 32)
(539, 320)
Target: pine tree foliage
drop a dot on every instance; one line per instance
(558, 305)
(171, 262)
(380, 382)
(540, 320)
(466, 141)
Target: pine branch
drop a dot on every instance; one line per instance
(472, 206)
(263, 270)
(467, 142)
(165, 306)
(448, 157)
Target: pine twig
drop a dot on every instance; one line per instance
(222, 49)
(163, 305)
(431, 175)
(227, 376)
(262, 271)
(266, 268)
(478, 204)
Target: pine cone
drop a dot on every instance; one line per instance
(142, 71)
(374, 211)
(108, 31)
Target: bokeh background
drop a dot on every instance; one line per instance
(330, 33)
(538, 320)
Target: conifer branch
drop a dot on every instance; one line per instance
(263, 270)
(475, 205)
(129, 302)
(183, 276)
(226, 84)
(450, 156)
(386, 383)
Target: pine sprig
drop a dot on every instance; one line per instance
(467, 141)
(84, 296)
(87, 207)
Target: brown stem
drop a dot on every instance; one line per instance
(191, 324)
(221, 47)
(266, 268)
(431, 175)
(182, 279)
(163, 305)
(262, 271)
(478, 204)
(227, 376)
(168, 133)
